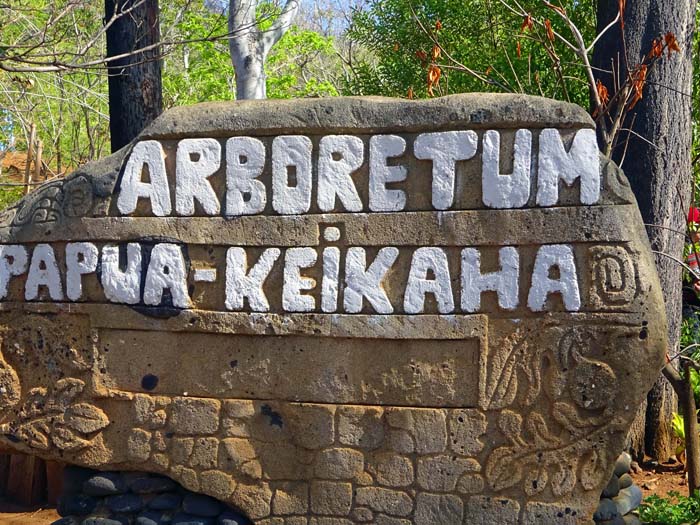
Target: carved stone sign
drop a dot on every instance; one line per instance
(339, 311)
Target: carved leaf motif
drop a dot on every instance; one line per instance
(532, 368)
(564, 478)
(511, 424)
(593, 468)
(502, 469)
(85, 418)
(504, 374)
(35, 403)
(536, 481)
(35, 434)
(540, 432)
(568, 417)
(65, 439)
(66, 391)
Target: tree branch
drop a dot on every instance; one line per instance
(281, 24)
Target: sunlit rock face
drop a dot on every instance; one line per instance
(339, 310)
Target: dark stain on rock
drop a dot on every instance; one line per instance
(149, 382)
(275, 417)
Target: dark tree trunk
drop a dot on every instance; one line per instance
(135, 94)
(660, 174)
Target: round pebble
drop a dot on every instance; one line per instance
(99, 520)
(612, 488)
(76, 505)
(74, 477)
(628, 499)
(626, 481)
(104, 484)
(623, 464)
(606, 511)
(167, 501)
(231, 517)
(201, 505)
(187, 519)
(152, 485)
(124, 503)
(152, 518)
(68, 520)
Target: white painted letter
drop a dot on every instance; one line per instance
(381, 148)
(329, 283)
(13, 262)
(43, 271)
(424, 260)
(581, 162)
(166, 270)
(196, 161)
(239, 285)
(560, 256)
(81, 259)
(367, 283)
(503, 282)
(245, 161)
(151, 154)
(445, 149)
(292, 298)
(291, 156)
(335, 176)
(122, 286)
(512, 190)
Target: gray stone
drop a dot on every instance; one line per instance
(167, 501)
(152, 518)
(201, 505)
(76, 505)
(68, 520)
(231, 517)
(631, 519)
(626, 481)
(104, 484)
(623, 464)
(74, 477)
(187, 519)
(628, 499)
(607, 510)
(99, 520)
(152, 485)
(124, 503)
(612, 488)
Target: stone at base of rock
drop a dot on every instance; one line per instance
(76, 505)
(623, 464)
(612, 488)
(626, 481)
(631, 519)
(186, 519)
(628, 499)
(69, 520)
(606, 511)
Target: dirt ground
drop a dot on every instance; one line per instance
(11, 514)
(661, 478)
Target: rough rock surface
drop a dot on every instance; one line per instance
(339, 401)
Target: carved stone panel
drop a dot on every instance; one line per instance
(339, 311)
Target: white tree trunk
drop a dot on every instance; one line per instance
(249, 46)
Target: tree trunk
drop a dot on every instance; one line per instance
(135, 90)
(249, 45)
(660, 173)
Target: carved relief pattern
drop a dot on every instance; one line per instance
(553, 443)
(614, 277)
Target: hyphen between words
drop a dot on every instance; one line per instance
(163, 276)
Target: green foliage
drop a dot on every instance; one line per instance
(480, 34)
(9, 195)
(674, 510)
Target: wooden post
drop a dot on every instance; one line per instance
(692, 437)
(21, 480)
(28, 167)
(37, 160)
